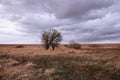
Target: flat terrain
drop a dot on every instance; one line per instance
(33, 62)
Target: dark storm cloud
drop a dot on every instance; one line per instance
(76, 8)
(80, 20)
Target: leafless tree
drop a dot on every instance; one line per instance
(45, 39)
(51, 38)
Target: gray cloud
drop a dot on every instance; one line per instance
(76, 8)
(81, 20)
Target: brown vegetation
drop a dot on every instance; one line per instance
(32, 62)
(19, 46)
(74, 45)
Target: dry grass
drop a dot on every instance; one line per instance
(35, 63)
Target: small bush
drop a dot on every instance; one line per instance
(93, 45)
(66, 45)
(6, 56)
(74, 45)
(19, 46)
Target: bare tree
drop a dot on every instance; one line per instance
(45, 39)
(55, 38)
(51, 38)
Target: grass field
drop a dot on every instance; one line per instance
(32, 62)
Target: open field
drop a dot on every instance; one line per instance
(32, 62)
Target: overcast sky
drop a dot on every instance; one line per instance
(85, 21)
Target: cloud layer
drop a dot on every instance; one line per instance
(93, 21)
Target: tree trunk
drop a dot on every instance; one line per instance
(47, 47)
(53, 48)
